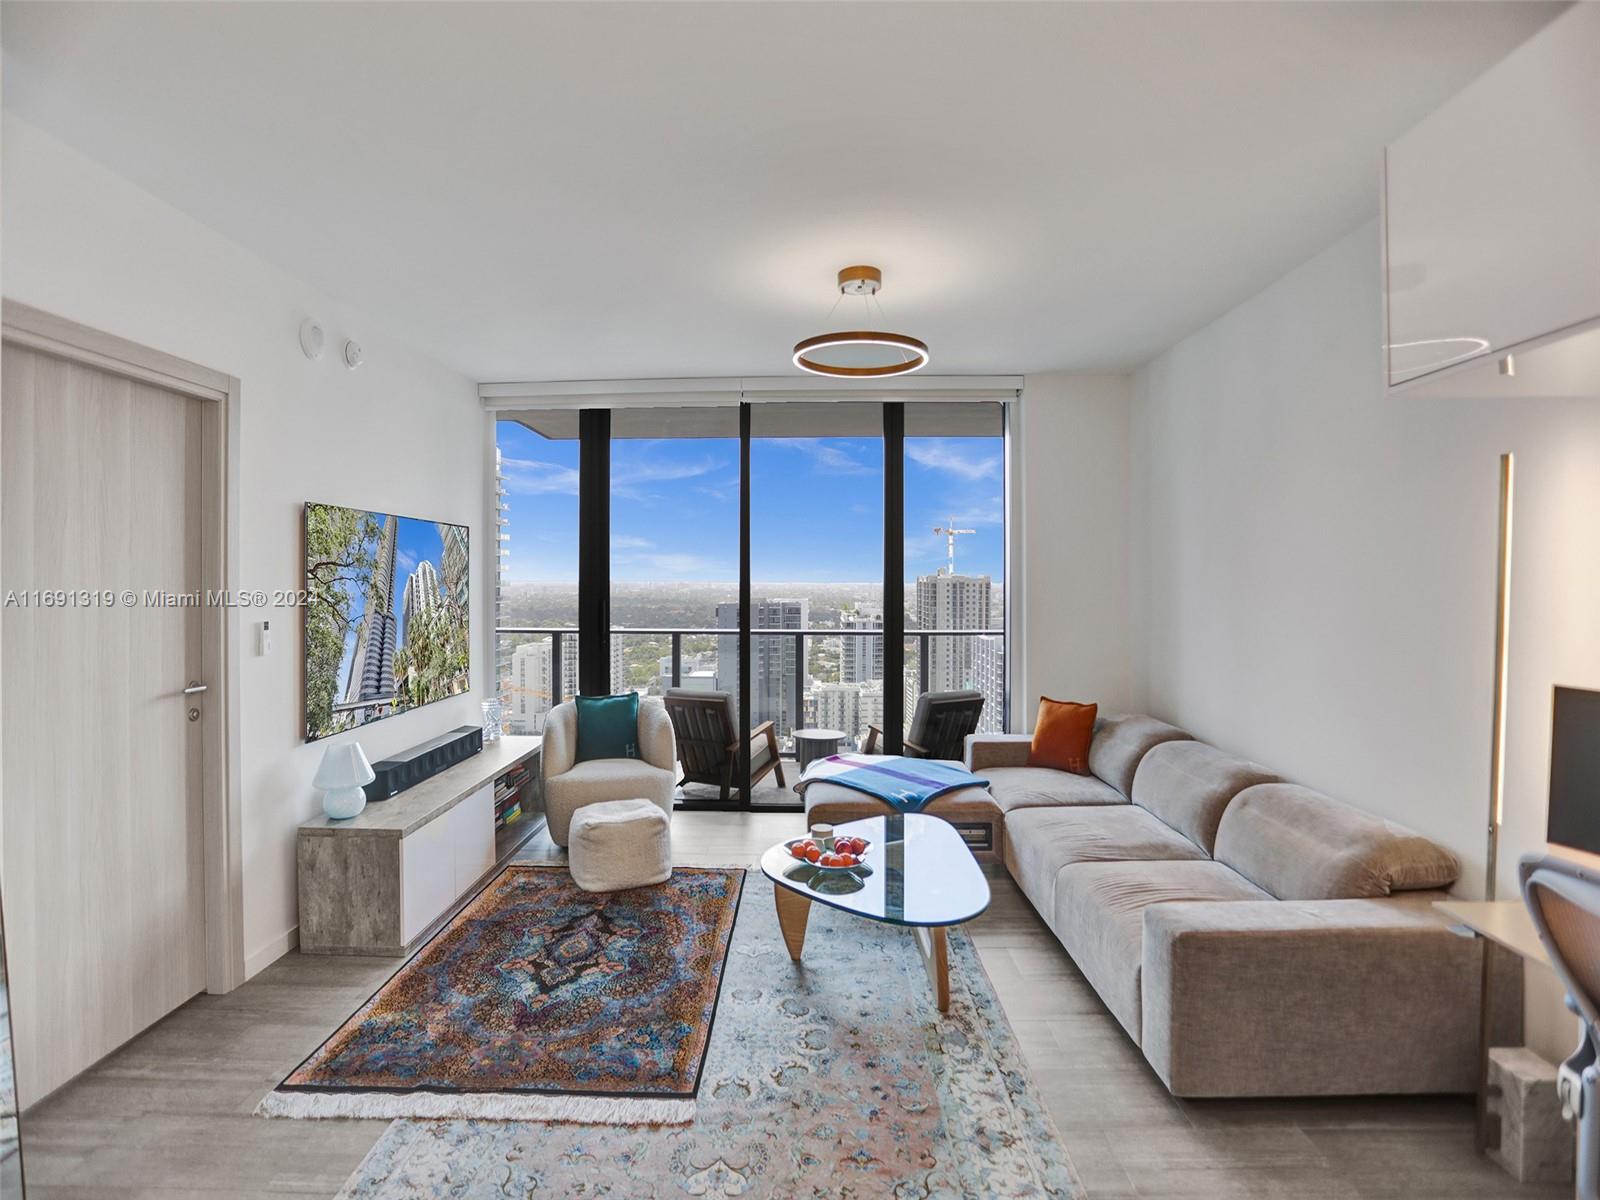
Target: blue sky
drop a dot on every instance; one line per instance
(816, 507)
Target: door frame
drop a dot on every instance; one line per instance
(221, 771)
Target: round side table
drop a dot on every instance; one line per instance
(812, 744)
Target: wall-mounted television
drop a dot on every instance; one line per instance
(386, 616)
(1575, 770)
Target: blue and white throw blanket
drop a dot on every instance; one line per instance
(908, 784)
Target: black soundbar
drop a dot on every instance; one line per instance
(410, 767)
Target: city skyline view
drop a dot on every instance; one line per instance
(816, 508)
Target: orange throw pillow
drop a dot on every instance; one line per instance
(1062, 734)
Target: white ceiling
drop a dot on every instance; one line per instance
(615, 190)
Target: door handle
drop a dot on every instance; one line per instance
(195, 687)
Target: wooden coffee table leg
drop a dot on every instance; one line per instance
(793, 909)
(935, 950)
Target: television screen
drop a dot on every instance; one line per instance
(1575, 770)
(386, 625)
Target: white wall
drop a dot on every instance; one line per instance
(401, 434)
(1316, 563)
(1072, 551)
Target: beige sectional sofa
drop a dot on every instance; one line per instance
(1254, 938)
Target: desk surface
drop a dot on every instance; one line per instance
(1504, 922)
(415, 807)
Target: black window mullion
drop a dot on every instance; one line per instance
(746, 675)
(594, 551)
(894, 577)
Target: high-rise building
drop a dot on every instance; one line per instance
(847, 706)
(861, 656)
(952, 602)
(775, 662)
(453, 553)
(421, 592)
(989, 677)
(530, 691)
(619, 669)
(372, 665)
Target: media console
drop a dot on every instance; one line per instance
(385, 880)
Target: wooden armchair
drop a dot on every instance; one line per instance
(939, 725)
(708, 746)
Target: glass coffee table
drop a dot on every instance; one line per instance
(917, 872)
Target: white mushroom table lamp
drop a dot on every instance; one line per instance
(343, 775)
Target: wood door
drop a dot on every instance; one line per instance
(104, 840)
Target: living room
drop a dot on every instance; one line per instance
(817, 408)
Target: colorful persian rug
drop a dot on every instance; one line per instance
(538, 1001)
(832, 1078)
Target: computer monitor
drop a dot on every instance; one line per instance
(1575, 770)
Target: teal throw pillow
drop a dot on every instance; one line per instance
(608, 726)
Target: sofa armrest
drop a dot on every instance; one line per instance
(1322, 997)
(998, 750)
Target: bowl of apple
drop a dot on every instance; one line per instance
(838, 854)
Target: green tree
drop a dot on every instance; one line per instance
(434, 662)
(341, 554)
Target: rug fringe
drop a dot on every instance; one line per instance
(480, 1106)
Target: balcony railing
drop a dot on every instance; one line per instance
(923, 639)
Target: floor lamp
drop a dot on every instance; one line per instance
(1502, 630)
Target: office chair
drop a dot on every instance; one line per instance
(1564, 899)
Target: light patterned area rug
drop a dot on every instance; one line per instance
(834, 1078)
(538, 1001)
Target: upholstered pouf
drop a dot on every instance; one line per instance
(619, 844)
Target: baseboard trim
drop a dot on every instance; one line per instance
(263, 958)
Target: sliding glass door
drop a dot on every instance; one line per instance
(954, 503)
(675, 554)
(822, 563)
(816, 566)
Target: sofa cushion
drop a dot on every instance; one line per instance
(1045, 787)
(1189, 784)
(1120, 742)
(1099, 917)
(1040, 841)
(1301, 845)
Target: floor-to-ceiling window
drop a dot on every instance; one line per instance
(823, 600)
(536, 664)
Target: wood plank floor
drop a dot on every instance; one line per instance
(169, 1115)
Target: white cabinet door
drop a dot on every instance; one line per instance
(1492, 207)
(472, 835)
(427, 875)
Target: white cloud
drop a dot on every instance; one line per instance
(405, 560)
(623, 541)
(628, 479)
(833, 460)
(941, 456)
(530, 477)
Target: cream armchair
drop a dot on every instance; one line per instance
(569, 785)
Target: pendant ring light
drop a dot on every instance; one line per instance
(861, 353)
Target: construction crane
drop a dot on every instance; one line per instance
(950, 533)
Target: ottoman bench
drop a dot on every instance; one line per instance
(619, 844)
(972, 810)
